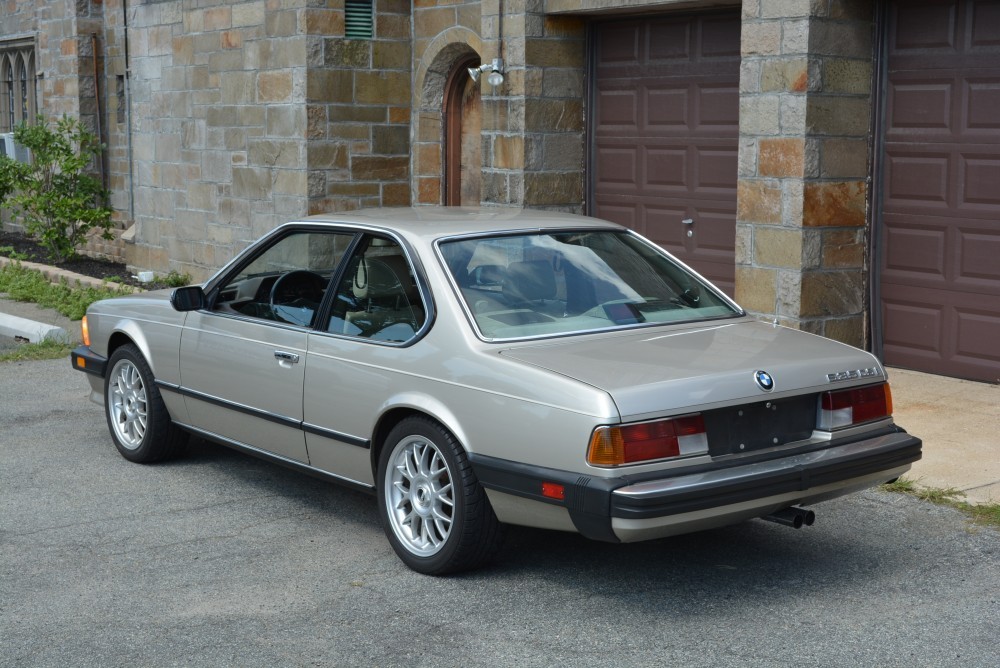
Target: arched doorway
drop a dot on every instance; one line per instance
(463, 123)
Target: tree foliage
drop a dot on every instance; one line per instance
(60, 201)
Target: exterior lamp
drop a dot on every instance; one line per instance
(495, 69)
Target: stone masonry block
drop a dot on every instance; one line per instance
(275, 86)
(380, 168)
(508, 152)
(848, 76)
(781, 157)
(837, 116)
(832, 293)
(372, 87)
(758, 202)
(760, 38)
(785, 75)
(844, 158)
(834, 204)
(391, 140)
(760, 115)
(777, 247)
(546, 188)
(756, 289)
(843, 249)
(554, 52)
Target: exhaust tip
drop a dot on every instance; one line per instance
(792, 517)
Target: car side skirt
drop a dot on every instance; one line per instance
(621, 508)
(278, 459)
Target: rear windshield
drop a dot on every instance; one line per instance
(546, 284)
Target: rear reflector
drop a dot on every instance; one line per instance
(554, 490)
(648, 441)
(854, 406)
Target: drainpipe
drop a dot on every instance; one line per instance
(128, 115)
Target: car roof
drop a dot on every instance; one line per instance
(434, 222)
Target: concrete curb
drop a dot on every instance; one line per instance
(34, 332)
(55, 274)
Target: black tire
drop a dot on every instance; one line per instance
(435, 529)
(137, 418)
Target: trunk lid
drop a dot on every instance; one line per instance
(660, 371)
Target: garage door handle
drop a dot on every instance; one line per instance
(689, 224)
(286, 358)
(688, 221)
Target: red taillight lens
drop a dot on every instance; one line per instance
(646, 441)
(854, 406)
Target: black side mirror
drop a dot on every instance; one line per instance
(190, 298)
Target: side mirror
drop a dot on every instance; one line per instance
(190, 298)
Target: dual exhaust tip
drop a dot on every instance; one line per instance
(792, 517)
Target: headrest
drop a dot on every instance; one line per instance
(530, 281)
(384, 276)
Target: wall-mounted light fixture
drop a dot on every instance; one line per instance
(495, 69)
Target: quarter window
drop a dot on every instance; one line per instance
(378, 297)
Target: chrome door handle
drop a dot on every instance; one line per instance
(688, 221)
(286, 358)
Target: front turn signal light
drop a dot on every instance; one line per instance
(857, 405)
(648, 441)
(85, 331)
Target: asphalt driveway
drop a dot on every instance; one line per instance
(220, 559)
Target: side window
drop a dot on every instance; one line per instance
(286, 282)
(378, 297)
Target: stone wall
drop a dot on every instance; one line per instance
(802, 195)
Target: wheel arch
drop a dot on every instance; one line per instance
(413, 406)
(128, 332)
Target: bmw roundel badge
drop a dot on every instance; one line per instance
(764, 380)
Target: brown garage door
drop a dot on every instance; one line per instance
(665, 131)
(940, 257)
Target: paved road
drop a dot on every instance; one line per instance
(221, 560)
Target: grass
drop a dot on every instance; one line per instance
(43, 350)
(30, 285)
(983, 513)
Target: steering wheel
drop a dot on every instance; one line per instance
(295, 296)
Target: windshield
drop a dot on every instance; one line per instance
(568, 282)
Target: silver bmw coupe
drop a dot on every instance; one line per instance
(479, 368)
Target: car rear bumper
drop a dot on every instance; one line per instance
(625, 509)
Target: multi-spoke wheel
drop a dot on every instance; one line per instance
(434, 511)
(138, 420)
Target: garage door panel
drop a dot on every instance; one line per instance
(666, 108)
(940, 263)
(984, 104)
(718, 109)
(668, 41)
(985, 17)
(685, 142)
(979, 260)
(619, 110)
(666, 171)
(921, 104)
(928, 26)
(976, 337)
(912, 327)
(915, 254)
(619, 168)
(980, 183)
(921, 179)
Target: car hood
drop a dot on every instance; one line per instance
(664, 370)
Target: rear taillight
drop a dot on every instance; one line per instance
(855, 406)
(647, 441)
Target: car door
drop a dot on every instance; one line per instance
(355, 357)
(243, 358)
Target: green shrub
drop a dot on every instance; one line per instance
(58, 198)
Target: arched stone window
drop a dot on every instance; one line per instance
(17, 83)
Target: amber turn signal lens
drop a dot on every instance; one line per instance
(85, 331)
(648, 441)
